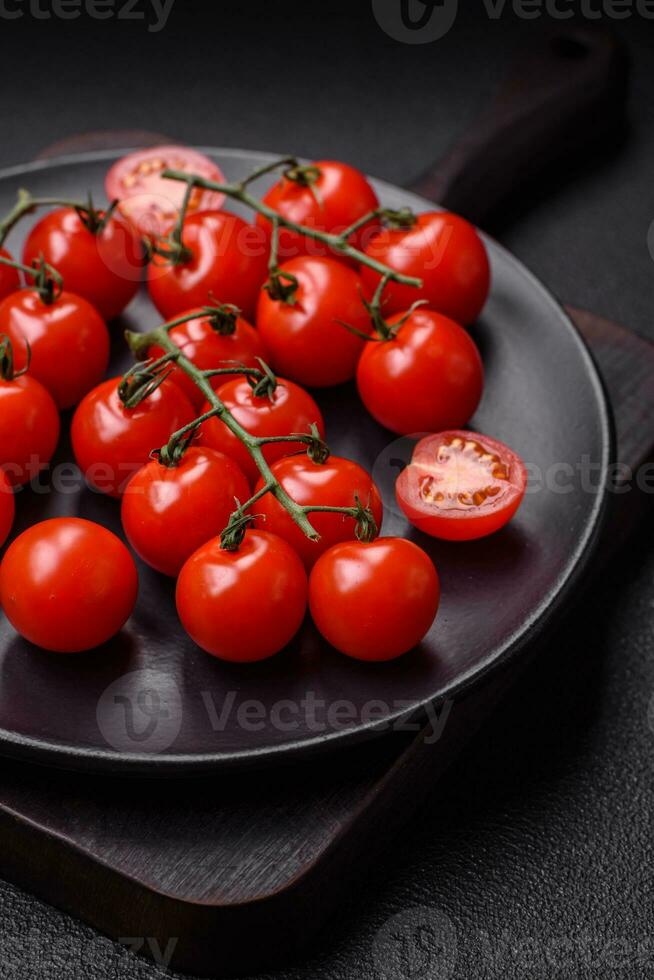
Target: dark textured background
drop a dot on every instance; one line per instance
(537, 847)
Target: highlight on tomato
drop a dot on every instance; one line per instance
(7, 507)
(374, 600)
(461, 485)
(68, 585)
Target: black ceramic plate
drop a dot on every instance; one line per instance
(151, 701)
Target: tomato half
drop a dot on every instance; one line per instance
(243, 605)
(208, 347)
(169, 511)
(335, 483)
(7, 507)
(305, 340)
(105, 267)
(29, 428)
(461, 485)
(291, 409)
(112, 442)
(68, 342)
(445, 251)
(152, 203)
(374, 601)
(229, 264)
(428, 378)
(338, 197)
(68, 585)
(9, 277)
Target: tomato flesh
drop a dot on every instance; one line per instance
(29, 428)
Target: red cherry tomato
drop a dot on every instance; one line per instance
(229, 264)
(374, 601)
(169, 511)
(105, 268)
(335, 483)
(339, 197)
(289, 410)
(112, 442)
(152, 203)
(7, 507)
(305, 340)
(68, 342)
(444, 251)
(243, 605)
(461, 485)
(29, 428)
(209, 347)
(429, 377)
(68, 585)
(9, 277)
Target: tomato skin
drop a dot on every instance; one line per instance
(168, 512)
(9, 277)
(112, 442)
(68, 340)
(291, 410)
(105, 268)
(305, 341)
(208, 349)
(445, 251)
(428, 378)
(343, 195)
(245, 605)
(68, 585)
(148, 201)
(335, 483)
(29, 428)
(374, 601)
(453, 519)
(7, 507)
(229, 264)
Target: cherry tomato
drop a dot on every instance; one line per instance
(335, 200)
(68, 585)
(112, 442)
(289, 410)
(305, 340)
(7, 507)
(374, 601)
(229, 264)
(169, 511)
(68, 342)
(429, 377)
(29, 428)
(335, 483)
(445, 251)
(105, 267)
(460, 485)
(152, 203)
(9, 277)
(243, 605)
(209, 347)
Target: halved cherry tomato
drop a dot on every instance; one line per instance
(9, 277)
(335, 483)
(29, 428)
(305, 340)
(445, 251)
(229, 265)
(151, 203)
(112, 442)
(68, 585)
(210, 347)
(243, 605)
(429, 377)
(68, 342)
(288, 410)
(461, 485)
(374, 601)
(105, 267)
(7, 507)
(335, 196)
(169, 511)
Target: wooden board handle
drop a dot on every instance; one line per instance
(565, 95)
